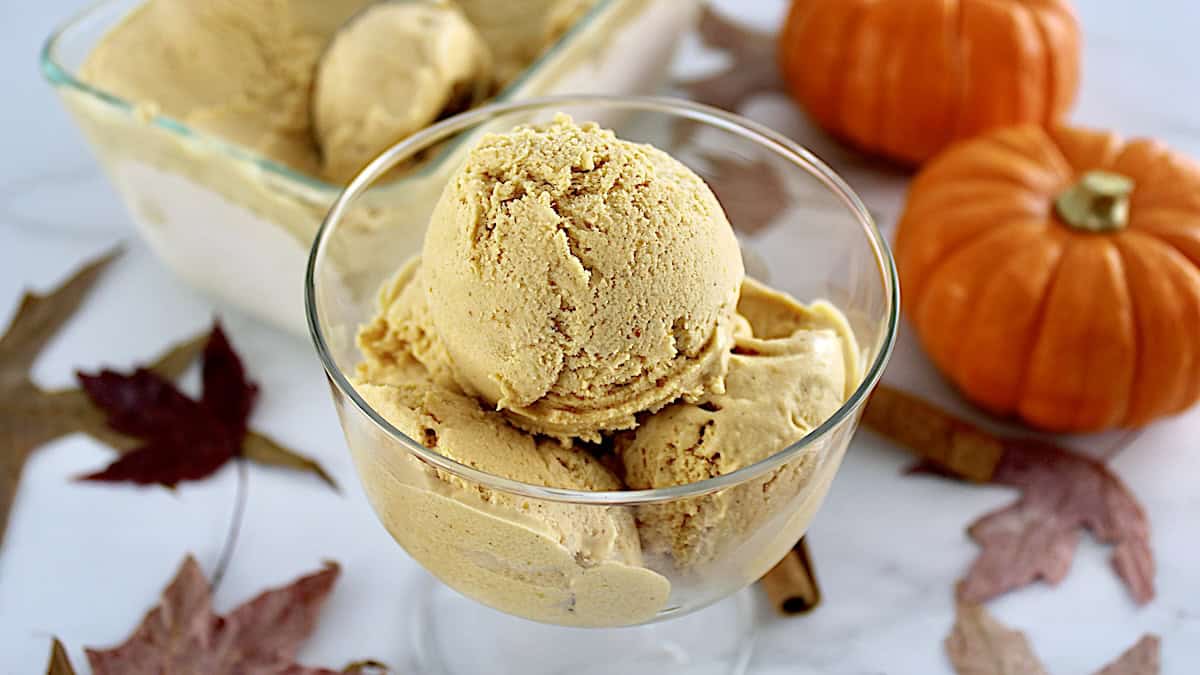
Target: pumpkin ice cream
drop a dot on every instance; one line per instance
(580, 319)
(389, 72)
(237, 69)
(791, 369)
(580, 279)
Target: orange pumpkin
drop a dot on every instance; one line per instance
(904, 78)
(1056, 275)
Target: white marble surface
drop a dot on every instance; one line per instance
(83, 562)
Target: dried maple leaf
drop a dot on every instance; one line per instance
(31, 417)
(59, 664)
(1144, 658)
(227, 392)
(1062, 493)
(183, 439)
(183, 636)
(752, 192)
(980, 645)
(753, 68)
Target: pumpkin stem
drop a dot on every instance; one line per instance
(1099, 202)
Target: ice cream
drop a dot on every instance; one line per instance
(240, 70)
(579, 319)
(519, 30)
(320, 86)
(230, 211)
(545, 561)
(580, 279)
(792, 367)
(560, 562)
(389, 72)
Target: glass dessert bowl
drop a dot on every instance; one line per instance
(549, 530)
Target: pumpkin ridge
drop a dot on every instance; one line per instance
(1151, 245)
(1056, 104)
(1062, 390)
(1049, 157)
(1047, 88)
(1049, 81)
(857, 63)
(878, 115)
(980, 209)
(993, 238)
(1052, 252)
(889, 71)
(1039, 323)
(1135, 311)
(1088, 149)
(1164, 237)
(842, 63)
(960, 70)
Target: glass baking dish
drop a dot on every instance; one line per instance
(239, 225)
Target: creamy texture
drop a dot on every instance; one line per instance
(392, 70)
(553, 562)
(257, 73)
(238, 69)
(518, 31)
(580, 279)
(791, 369)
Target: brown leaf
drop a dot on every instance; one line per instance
(183, 636)
(39, 318)
(25, 422)
(366, 668)
(263, 450)
(1061, 493)
(59, 663)
(752, 192)
(980, 645)
(178, 357)
(1141, 659)
(753, 68)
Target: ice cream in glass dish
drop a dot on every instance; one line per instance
(571, 404)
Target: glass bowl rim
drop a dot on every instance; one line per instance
(709, 115)
(314, 187)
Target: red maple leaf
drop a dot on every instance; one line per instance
(183, 636)
(183, 439)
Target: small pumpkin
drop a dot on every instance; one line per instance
(904, 78)
(1055, 275)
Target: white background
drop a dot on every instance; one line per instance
(84, 562)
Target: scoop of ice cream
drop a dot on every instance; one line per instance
(789, 373)
(554, 562)
(239, 70)
(390, 71)
(518, 31)
(578, 279)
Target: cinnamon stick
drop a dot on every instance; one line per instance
(934, 434)
(931, 433)
(792, 584)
